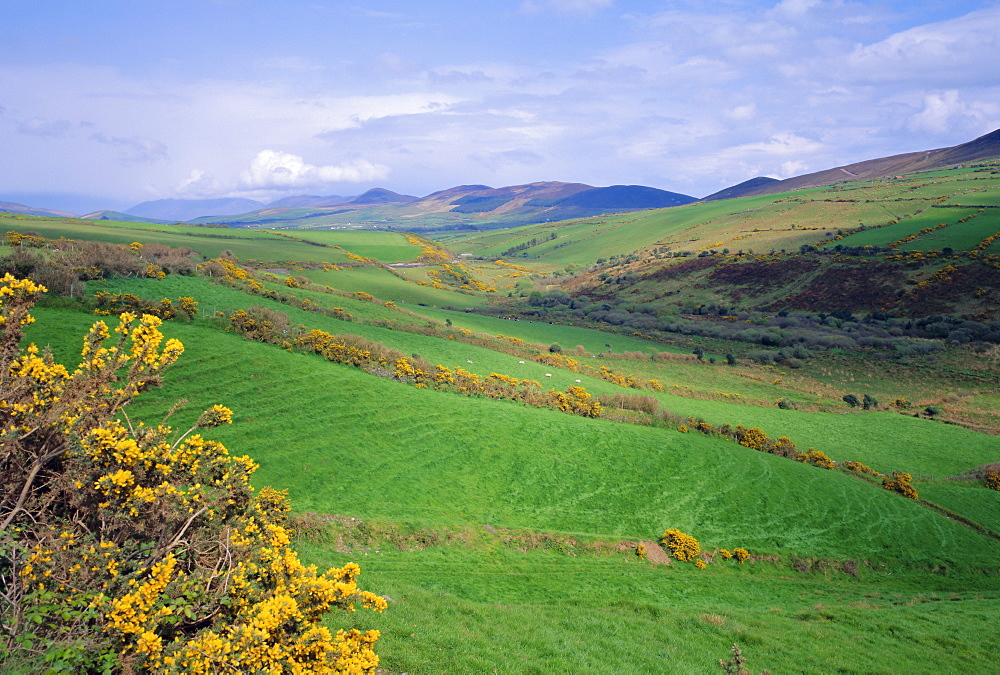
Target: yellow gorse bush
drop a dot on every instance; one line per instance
(681, 546)
(133, 548)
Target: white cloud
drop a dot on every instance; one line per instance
(565, 6)
(201, 184)
(794, 9)
(779, 145)
(272, 169)
(742, 112)
(943, 111)
(496, 160)
(932, 54)
(37, 126)
(133, 149)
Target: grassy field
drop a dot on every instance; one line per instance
(505, 535)
(440, 458)
(247, 244)
(557, 613)
(544, 593)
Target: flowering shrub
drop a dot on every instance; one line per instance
(858, 467)
(992, 480)
(129, 548)
(741, 555)
(818, 458)
(681, 546)
(117, 303)
(900, 482)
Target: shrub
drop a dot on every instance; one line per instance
(992, 480)
(741, 555)
(851, 400)
(128, 548)
(900, 482)
(785, 404)
(681, 546)
(869, 402)
(818, 458)
(858, 467)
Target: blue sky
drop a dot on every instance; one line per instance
(104, 104)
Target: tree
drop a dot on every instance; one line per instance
(130, 547)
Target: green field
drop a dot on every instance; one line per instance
(505, 534)
(443, 467)
(251, 244)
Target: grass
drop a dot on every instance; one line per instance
(556, 613)
(544, 333)
(440, 458)
(386, 286)
(247, 244)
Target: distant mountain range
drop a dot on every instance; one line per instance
(461, 207)
(484, 207)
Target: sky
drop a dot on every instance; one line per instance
(108, 103)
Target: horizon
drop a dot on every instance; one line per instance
(248, 99)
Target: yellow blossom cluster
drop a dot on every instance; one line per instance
(431, 252)
(900, 482)
(992, 480)
(682, 546)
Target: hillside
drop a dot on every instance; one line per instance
(14, 207)
(984, 147)
(859, 246)
(453, 450)
(468, 510)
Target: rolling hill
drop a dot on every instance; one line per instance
(506, 535)
(984, 147)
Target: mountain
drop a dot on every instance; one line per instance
(180, 210)
(984, 147)
(121, 217)
(378, 196)
(307, 200)
(13, 207)
(625, 197)
(742, 189)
